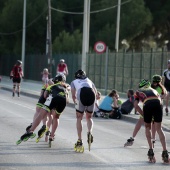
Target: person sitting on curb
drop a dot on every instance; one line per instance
(128, 105)
(105, 106)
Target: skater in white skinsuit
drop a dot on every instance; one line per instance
(83, 94)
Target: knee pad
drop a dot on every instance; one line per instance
(14, 86)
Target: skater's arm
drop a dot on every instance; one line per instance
(138, 109)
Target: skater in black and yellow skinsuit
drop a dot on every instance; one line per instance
(56, 98)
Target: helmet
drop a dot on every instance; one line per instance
(156, 78)
(80, 74)
(19, 62)
(144, 83)
(62, 60)
(59, 77)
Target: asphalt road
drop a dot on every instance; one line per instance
(107, 151)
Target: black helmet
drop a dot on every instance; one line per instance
(19, 62)
(80, 74)
(59, 77)
(156, 78)
(144, 83)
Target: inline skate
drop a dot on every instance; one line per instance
(78, 147)
(25, 137)
(47, 134)
(165, 157)
(28, 127)
(89, 140)
(41, 133)
(151, 156)
(129, 142)
(51, 138)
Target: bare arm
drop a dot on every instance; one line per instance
(73, 92)
(138, 109)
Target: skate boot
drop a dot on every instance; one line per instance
(151, 156)
(13, 94)
(18, 94)
(89, 139)
(78, 147)
(25, 137)
(129, 142)
(41, 133)
(166, 110)
(47, 134)
(51, 138)
(29, 127)
(165, 157)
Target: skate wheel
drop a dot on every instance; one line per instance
(82, 150)
(37, 140)
(166, 161)
(33, 136)
(152, 160)
(25, 139)
(19, 141)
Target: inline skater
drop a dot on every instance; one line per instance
(152, 108)
(56, 97)
(157, 85)
(16, 74)
(83, 94)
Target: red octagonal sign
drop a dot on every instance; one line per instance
(100, 47)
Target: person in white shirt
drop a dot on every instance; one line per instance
(84, 95)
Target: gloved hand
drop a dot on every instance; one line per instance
(11, 77)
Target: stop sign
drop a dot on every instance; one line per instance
(99, 47)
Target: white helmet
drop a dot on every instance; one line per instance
(62, 60)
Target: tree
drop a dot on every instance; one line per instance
(67, 42)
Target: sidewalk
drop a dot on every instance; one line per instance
(33, 88)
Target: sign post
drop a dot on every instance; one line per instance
(100, 47)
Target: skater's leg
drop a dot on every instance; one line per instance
(167, 103)
(89, 121)
(36, 112)
(79, 125)
(14, 89)
(38, 119)
(161, 135)
(148, 134)
(54, 124)
(153, 129)
(50, 118)
(137, 127)
(18, 89)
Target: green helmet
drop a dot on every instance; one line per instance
(144, 83)
(156, 78)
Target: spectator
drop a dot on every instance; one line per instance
(127, 106)
(62, 67)
(45, 77)
(106, 105)
(16, 74)
(166, 82)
